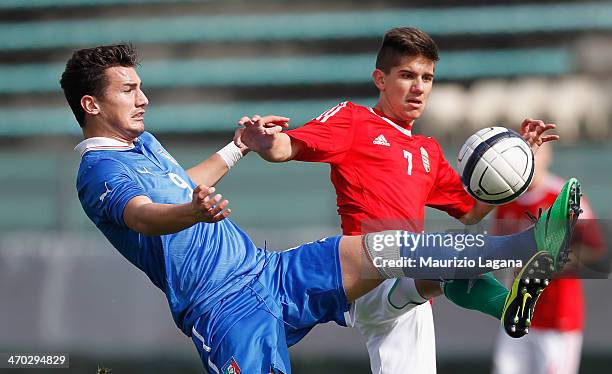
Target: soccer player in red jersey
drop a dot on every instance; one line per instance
(384, 176)
(555, 340)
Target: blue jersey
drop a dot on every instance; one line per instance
(196, 267)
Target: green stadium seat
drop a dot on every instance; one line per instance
(27, 213)
(306, 26)
(325, 69)
(215, 117)
(35, 4)
(28, 191)
(25, 207)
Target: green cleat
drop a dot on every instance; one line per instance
(554, 228)
(523, 296)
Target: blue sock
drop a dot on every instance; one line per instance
(459, 258)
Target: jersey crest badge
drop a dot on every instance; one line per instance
(230, 367)
(380, 140)
(425, 159)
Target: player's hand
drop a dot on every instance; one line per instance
(209, 208)
(238, 141)
(533, 131)
(257, 131)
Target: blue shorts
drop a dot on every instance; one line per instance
(250, 331)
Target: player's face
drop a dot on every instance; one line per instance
(405, 89)
(122, 106)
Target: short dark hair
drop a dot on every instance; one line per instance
(85, 73)
(404, 41)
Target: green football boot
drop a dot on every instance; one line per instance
(553, 229)
(524, 293)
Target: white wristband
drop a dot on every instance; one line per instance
(230, 154)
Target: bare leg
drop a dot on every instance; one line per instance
(359, 276)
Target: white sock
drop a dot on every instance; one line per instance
(404, 292)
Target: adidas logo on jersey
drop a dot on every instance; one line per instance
(380, 140)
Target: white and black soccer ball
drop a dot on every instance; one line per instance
(496, 165)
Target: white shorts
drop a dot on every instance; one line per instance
(398, 340)
(541, 351)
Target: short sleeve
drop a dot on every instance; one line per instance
(448, 193)
(105, 189)
(328, 137)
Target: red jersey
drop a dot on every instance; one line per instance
(561, 306)
(384, 175)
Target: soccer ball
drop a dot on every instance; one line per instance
(496, 165)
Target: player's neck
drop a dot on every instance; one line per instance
(383, 112)
(93, 131)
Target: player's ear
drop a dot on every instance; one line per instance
(378, 76)
(89, 105)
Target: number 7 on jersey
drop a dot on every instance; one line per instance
(408, 156)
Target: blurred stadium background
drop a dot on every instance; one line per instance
(206, 63)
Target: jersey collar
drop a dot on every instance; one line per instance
(405, 131)
(102, 144)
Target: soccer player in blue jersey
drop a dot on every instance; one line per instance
(242, 305)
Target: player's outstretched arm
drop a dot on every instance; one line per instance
(149, 218)
(210, 171)
(264, 136)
